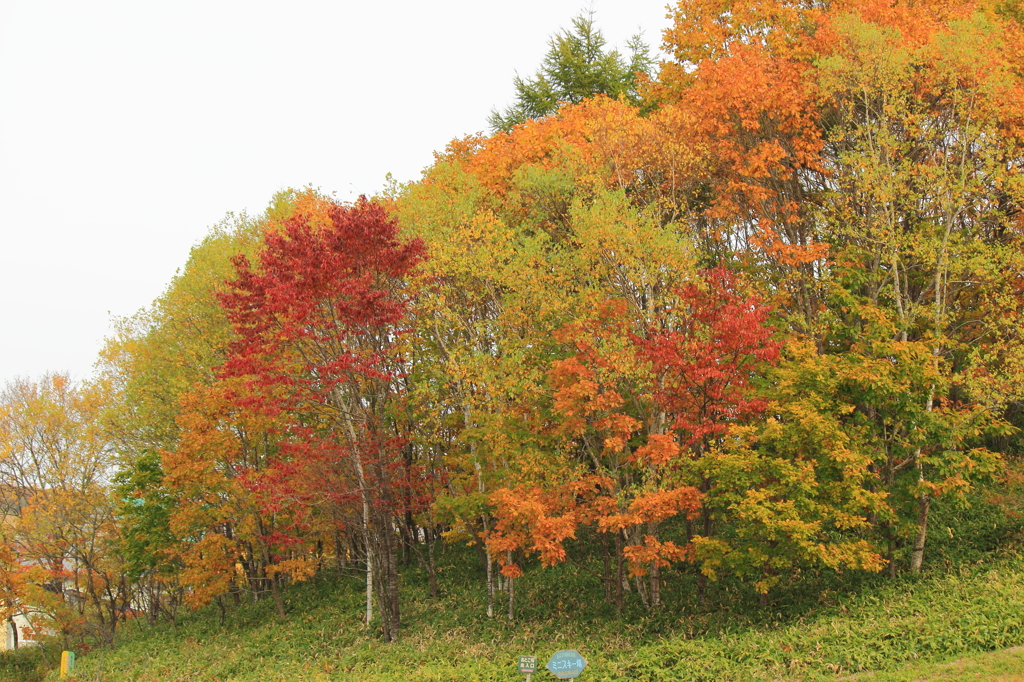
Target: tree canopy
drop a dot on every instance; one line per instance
(576, 66)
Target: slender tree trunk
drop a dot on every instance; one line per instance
(369, 586)
(368, 540)
(236, 596)
(655, 585)
(153, 588)
(705, 514)
(265, 551)
(380, 586)
(431, 566)
(917, 555)
(248, 562)
(396, 613)
(890, 552)
(481, 488)
(339, 552)
(606, 574)
(923, 502)
(619, 578)
(652, 529)
(278, 602)
(357, 462)
(490, 583)
(510, 583)
(643, 593)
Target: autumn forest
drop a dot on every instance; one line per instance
(750, 314)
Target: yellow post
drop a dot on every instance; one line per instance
(67, 662)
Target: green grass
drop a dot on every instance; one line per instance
(997, 666)
(972, 610)
(881, 628)
(958, 621)
(28, 664)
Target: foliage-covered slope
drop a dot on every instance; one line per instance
(881, 627)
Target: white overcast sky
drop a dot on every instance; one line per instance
(127, 128)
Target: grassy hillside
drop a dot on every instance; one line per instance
(996, 666)
(941, 626)
(943, 617)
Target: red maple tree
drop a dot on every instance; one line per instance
(319, 324)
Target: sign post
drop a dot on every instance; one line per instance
(527, 666)
(566, 664)
(67, 662)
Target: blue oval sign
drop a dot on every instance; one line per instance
(566, 664)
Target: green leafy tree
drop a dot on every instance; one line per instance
(576, 66)
(144, 515)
